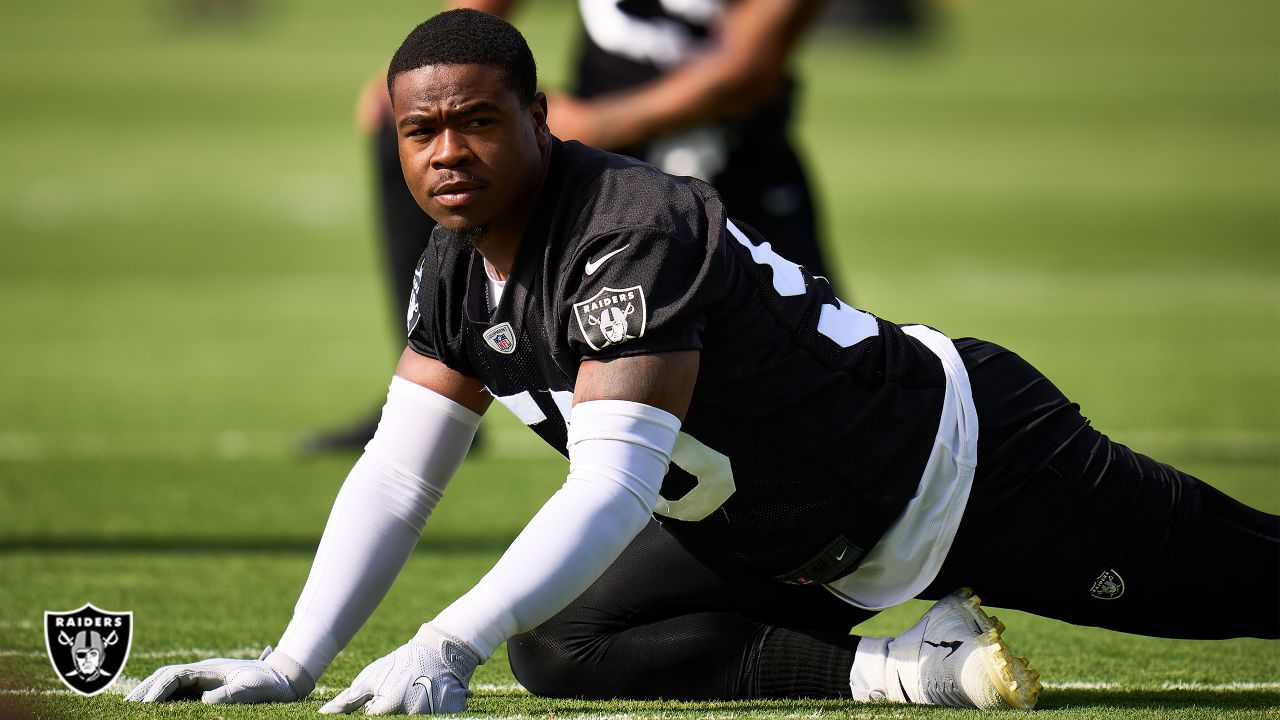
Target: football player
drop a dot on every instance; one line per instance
(696, 88)
(754, 465)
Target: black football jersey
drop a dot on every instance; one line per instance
(810, 422)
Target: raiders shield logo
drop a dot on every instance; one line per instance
(501, 338)
(1108, 586)
(88, 647)
(611, 316)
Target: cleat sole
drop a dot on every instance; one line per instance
(1018, 685)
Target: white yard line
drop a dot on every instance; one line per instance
(1220, 686)
(223, 445)
(179, 653)
(1223, 687)
(492, 687)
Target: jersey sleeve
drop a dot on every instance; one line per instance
(427, 319)
(638, 291)
(421, 341)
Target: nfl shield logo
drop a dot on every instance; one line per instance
(88, 647)
(501, 338)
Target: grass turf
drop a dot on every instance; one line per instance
(189, 283)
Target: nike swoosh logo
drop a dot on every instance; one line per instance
(841, 555)
(425, 682)
(951, 645)
(593, 265)
(903, 688)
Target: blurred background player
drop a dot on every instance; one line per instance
(697, 87)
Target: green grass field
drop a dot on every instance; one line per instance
(189, 283)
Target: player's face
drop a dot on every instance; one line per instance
(472, 153)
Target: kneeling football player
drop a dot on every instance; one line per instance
(754, 466)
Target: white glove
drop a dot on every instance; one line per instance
(273, 677)
(426, 675)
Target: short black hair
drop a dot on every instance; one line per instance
(466, 37)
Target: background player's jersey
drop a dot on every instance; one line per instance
(626, 43)
(810, 422)
(630, 42)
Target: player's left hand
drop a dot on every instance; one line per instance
(425, 676)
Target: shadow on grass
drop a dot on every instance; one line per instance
(521, 703)
(1175, 702)
(193, 544)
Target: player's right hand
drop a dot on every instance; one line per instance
(425, 676)
(270, 678)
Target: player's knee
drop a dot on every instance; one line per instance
(543, 664)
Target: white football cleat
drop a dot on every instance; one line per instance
(954, 657)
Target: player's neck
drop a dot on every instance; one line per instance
(499, 254)
(501, 240)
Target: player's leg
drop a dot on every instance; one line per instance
(765, 186)
(1104, 536)
(405, 229)
(661, 624)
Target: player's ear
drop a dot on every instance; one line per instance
(538, 115)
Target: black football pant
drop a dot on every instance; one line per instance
(1062, 522)
(1097, 534)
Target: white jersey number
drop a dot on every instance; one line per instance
(713, 472)
(710, 468)
(658, 40)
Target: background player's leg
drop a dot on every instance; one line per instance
(660, 623)
(765, 186)
(1104, 536)
(405, 229)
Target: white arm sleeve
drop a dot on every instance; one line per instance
(618, 455)
(377, 519)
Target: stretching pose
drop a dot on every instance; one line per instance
(754, 465)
